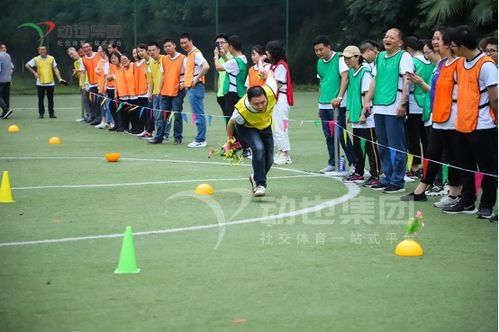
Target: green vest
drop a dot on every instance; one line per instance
(387, 77)
(329, 73)
(354, 100)
(240, 78)
(422, 97)
(221, 76)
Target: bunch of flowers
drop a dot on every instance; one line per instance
(231, 151)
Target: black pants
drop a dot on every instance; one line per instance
(230, 100)
(42, 90)
(442, 147)
(416, 135)
(478, 148)
(221, 103)
(95, 113)
(371, 150)
(5, 96)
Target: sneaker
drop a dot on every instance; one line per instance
(253, 183)
(259, 191)
(460, 207)
(111, 125)
(435, 191)
(177, 142)
(246, 153)
(7, 114)
(414, 197)
(327, 169)
(408, 179)
(370, 181)
(153, 141)
(195, 144)
(378, 186)
(354, 178)
(52, 116)
(144, 134)
(446, 201)
(80, 120)
(40, 116)
(101, 125)
(485, 213)
(281, 160)
(391, 189)
(414, 174)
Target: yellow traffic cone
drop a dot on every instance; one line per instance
(5, 191)
(128, 263)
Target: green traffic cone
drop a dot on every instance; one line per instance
(127, 263)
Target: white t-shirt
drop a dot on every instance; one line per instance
(238, 118)
(364, 87)
(488, 78)
(414, 108)
(451, 123)
(32, 63)
(406, 65)
(232, 69)
(342, 66)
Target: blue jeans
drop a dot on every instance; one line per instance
(390, 132)
(196, 99)
(262, 147)
(169, 104)
(327, 115)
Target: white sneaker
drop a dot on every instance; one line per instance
(259, 191)
(195, 144)
(287, 160)
(327, 169)
(111, 125)
(281, 160)
(142, 134)
(446, 201)
(101, 125)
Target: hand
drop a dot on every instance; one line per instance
(216, 52)
(149, 98)
(63, 82)
(415, 78)
(362, 119)
(400, 111)
(36, 75)
(181, 86)
(336, 102)
(195, 81)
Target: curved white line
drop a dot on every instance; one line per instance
(353, 191)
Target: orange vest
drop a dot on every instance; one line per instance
(125, 82)
(254, 78)
(442, 101)
(171, 75)
(468, 95)
(112, 70)
(101, 78)
(189, 69)
(141, 87)
(90, 65)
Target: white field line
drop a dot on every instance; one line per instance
(353, 191)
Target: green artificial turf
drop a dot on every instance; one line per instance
(332, 270)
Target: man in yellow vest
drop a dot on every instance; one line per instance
(45, 66)
(252, 119)
(80, 76)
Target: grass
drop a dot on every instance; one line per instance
(332, 270)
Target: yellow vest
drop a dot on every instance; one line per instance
(44, 69)
(256, 120)
(80, 75)
(156, 73)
